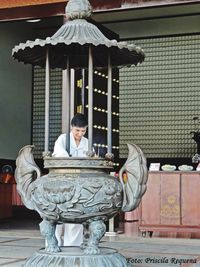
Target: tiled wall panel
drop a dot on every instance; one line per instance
(39, 107)
(160, 97)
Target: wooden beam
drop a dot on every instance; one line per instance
(22, 3)
(25, 9)
(151, 3)
(103, 4)
(28, 12)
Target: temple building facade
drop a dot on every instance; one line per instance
(155, 104)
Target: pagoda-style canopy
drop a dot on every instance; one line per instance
(72, 41)
(78, 44)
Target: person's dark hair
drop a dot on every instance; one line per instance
(79, 120)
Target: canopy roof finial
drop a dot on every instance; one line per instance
(78, 9)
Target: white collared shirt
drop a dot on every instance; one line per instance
(75, 151)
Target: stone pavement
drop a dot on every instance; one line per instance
(18, 242)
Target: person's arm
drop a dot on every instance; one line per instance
(86, 147)
(59, 147)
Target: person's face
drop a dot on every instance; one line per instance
(78, 132)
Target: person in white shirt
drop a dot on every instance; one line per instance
(72, 234)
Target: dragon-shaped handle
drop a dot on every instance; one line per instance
(25, 174)
(136, 170)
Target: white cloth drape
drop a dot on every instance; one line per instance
(70, 234)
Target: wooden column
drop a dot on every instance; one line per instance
(90, 100)
(47, 85)
(109, 107)
(66, 104)
(83, 91)
(72, 92)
